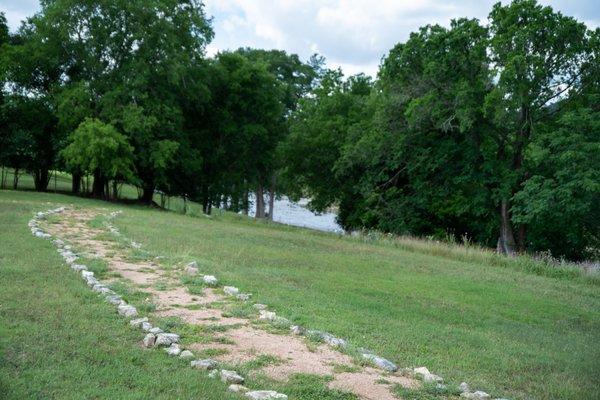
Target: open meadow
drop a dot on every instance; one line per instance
(514, 333)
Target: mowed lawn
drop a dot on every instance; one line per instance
(59, 340)
(511, 333)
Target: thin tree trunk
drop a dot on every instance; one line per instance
(115, 193)
(506, 241)
(272, 196)
(16, 179)
(245, 202)
(260, 201)
(76, 182)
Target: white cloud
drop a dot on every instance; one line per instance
(352, 34)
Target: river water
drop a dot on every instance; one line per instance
(296, 214)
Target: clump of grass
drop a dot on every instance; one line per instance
(218, 328)
(138, 298)
(98, 266)
(428, 391)
(341, 368)
(98, 222)
(262, 361)
(211, 353)
(239, 310)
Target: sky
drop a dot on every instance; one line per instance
(351, 34)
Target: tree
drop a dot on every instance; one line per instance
(98, 149)
(132, 58)
(538, 56)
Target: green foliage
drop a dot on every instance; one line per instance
(99, 149)
(478, 133)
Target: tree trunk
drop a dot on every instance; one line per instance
(260, 201)
(115, 192)
(2, 178)
(272, 196)
(506, 241)
(98, 186)
(147, 193)
(41, 179)
(245, 202)
(76, 182)
(16, 179)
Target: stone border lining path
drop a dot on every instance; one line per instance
(156, 337)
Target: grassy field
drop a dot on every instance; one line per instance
(508, 331)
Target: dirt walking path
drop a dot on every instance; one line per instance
(229, 338)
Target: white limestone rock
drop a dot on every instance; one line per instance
(173, 350)
(186, 354)
(478, 395)
(265, 395)
(149, 340)
(127, 310)
(191, 268)
(267, 315)
(210, 280)
(235, 388)
(166, 339)
(137, 323)
(231, 377)
(206, 364)
(231, 290)
(381, 362)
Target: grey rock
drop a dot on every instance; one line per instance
(265, 395)
(260, 307)
(464, 387)
(78, 267)
(173, 350)
(86, 273)
(115, 300)
(432, 378)
(137, 323)
(381, 362)
(333, 341)
(206, 364)
(166, 339)
(210, 280)
(186, 354)
(231, 377)
(478, 395)
(213, 374)
(297, 330)
(267, 315)
(156, 330)
(231, 290)
(149, 340)
(191, 268)
(235, 388)
(146, 326)
(421, 371)
(127, 311)
(243, 296)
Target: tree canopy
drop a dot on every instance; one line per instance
(485, 131)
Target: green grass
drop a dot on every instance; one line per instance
(59, 340)
(508, 327)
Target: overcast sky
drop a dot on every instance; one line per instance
(352, 34)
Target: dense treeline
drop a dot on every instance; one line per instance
(487, 132)
(122, 91)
